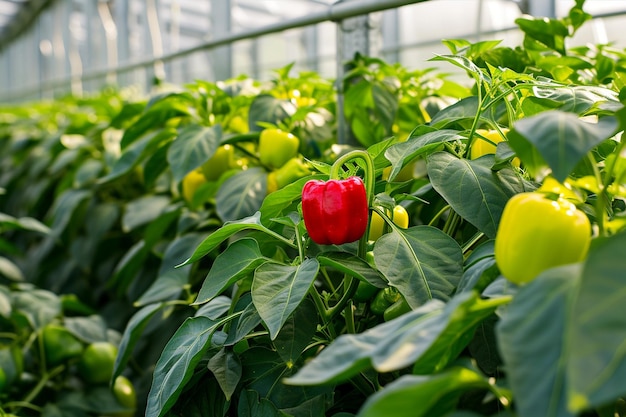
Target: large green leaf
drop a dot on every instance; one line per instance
(227, 230)
(562, 139)
(424, 396)
(427, 338)
(64, 207)
(90, 329)
(137, 152)
(462, 111)
(268, 109)
(276, 203)
(177, 363)
(237, 261)
(354, 266)
(170, 280)
(9, 270)
(250, 405)
(418, 145)
(194, 145)
(474, 191)
(278, 289)
(422, 262)
(530, 338)
(39, 307)
(132, 334)
(562, 338)
(144, 210)
(264, 371)
(297, 332)
(226, 367)
(242, 194)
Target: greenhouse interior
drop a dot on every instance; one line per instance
(312, 208)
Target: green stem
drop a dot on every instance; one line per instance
(438, 215)
(470, 243)
(350, 283)
(46, 376)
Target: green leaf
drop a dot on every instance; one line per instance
(472, 189)
(144, 210)
(64, 207)
(251, 406)
(401, 153)
(422, 262)
(423, 396)
(562, 139)
(597, 328)
(38, 306)
(132, 334)
(226, 367)
(242, 194)
(564, 351)
(245, 323)
(137, 152)
(170, 280)
(531, 341)
(88, 329)
(549, 32)
(177, 363)
(9, 270)
(264, 371)
(23, 223)
(227, 230)
(278, 202)
(353, 266)
(268, 109)
(129, 266)
(194, 145)
(215, 308)
(463, 110)
(237, 261)
(278, 289)
(297, 332)
(427, 338)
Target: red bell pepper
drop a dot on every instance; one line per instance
(335, 211)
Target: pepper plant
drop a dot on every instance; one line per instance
(229, 302)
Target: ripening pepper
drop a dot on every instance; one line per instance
(222, 160)
(335, 211)
(482, 147)
(276, 147)
(292, 171)
(191, 182)
(536, 233)
(399, 216)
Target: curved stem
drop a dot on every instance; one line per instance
(351, 283)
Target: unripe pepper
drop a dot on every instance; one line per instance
(400, 218)
(222, 160)
(292, 171)
(335, 211)
(536, 233)
(191, 182)
(276, 147)
(482, 147)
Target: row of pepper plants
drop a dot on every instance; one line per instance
(214, 251)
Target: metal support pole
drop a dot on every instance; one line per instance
(541, 8)
(221, 24)
(352, 38)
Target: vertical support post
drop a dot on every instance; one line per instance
(311, 45)
(221, 57)
(352, 37)
(541, 8)
(391, 35)
(121, 13)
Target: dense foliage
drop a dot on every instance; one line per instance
(162, 239)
